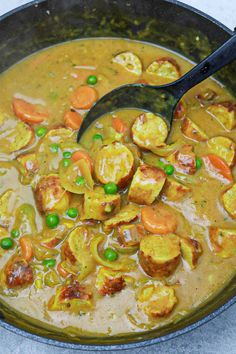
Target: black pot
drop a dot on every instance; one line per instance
(167, 23)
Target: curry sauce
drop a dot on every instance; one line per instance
(132, 228)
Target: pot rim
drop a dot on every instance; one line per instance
(137, 343)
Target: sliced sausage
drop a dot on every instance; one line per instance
(175, 191)
(18, 273)
(159, 255)
(127, 214)
(114, 163)
(224, 113)
(184, 160)
(191, 250)
(156, 301)
(166, 68)
(72, 297)
(100, 206)
(146, 185)
(50, 195)
(224, 148)
(229, 201)
(129, 61)
(149, 131)
(192, 131)
(109, 282)
(223, 241)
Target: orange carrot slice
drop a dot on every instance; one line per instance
(78, 155)
(158, 220)
(119, 125)
(219, 165)
(27, 112)
(73, 119)
(26, 248)
(84, 97)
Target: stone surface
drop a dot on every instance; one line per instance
(215, 337)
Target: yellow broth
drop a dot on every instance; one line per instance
(48, 79)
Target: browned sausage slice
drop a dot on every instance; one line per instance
(146, 185)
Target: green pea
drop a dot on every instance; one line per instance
(67, 154)
(110, 254)
(92, 80)
(54, 147)
(169, 169)
(198, 163)
(80, 181)
(15, 233)
(66, 162)
(6, 243)
(97, 137)
(72, 213)
(110, 188)
(41, 131)
(52, 220)
(49, 263)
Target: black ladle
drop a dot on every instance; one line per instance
(163, 99)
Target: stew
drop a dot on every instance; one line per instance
(131, 229)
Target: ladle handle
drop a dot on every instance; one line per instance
(222, 56)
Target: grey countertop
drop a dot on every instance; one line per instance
(215, 337)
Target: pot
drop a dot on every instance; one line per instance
(171, 24)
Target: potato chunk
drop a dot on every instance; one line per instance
(75, 250)
(6, 207)
(166, 68)
(100, 206)
(224, 113)
(146, 185)
(73, 297)
(184, 160)
(223, 241)
(149, 131)
(175, 191)
(192, 131)
(159, 255)
(114, 163)
(224, 147)
(229, 200)
(50, 196)
(15, 137)
(18, 273)
(130, 62)
(109, 282)
(127, 214)
(191, 250)
(156, 301)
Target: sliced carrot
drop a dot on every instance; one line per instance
(84, 97)
(27, 112)
(119, 125)
(158, 220)
(62, 271)
(73, 119)
(78, 155)
(26, 248)
(219, 165)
